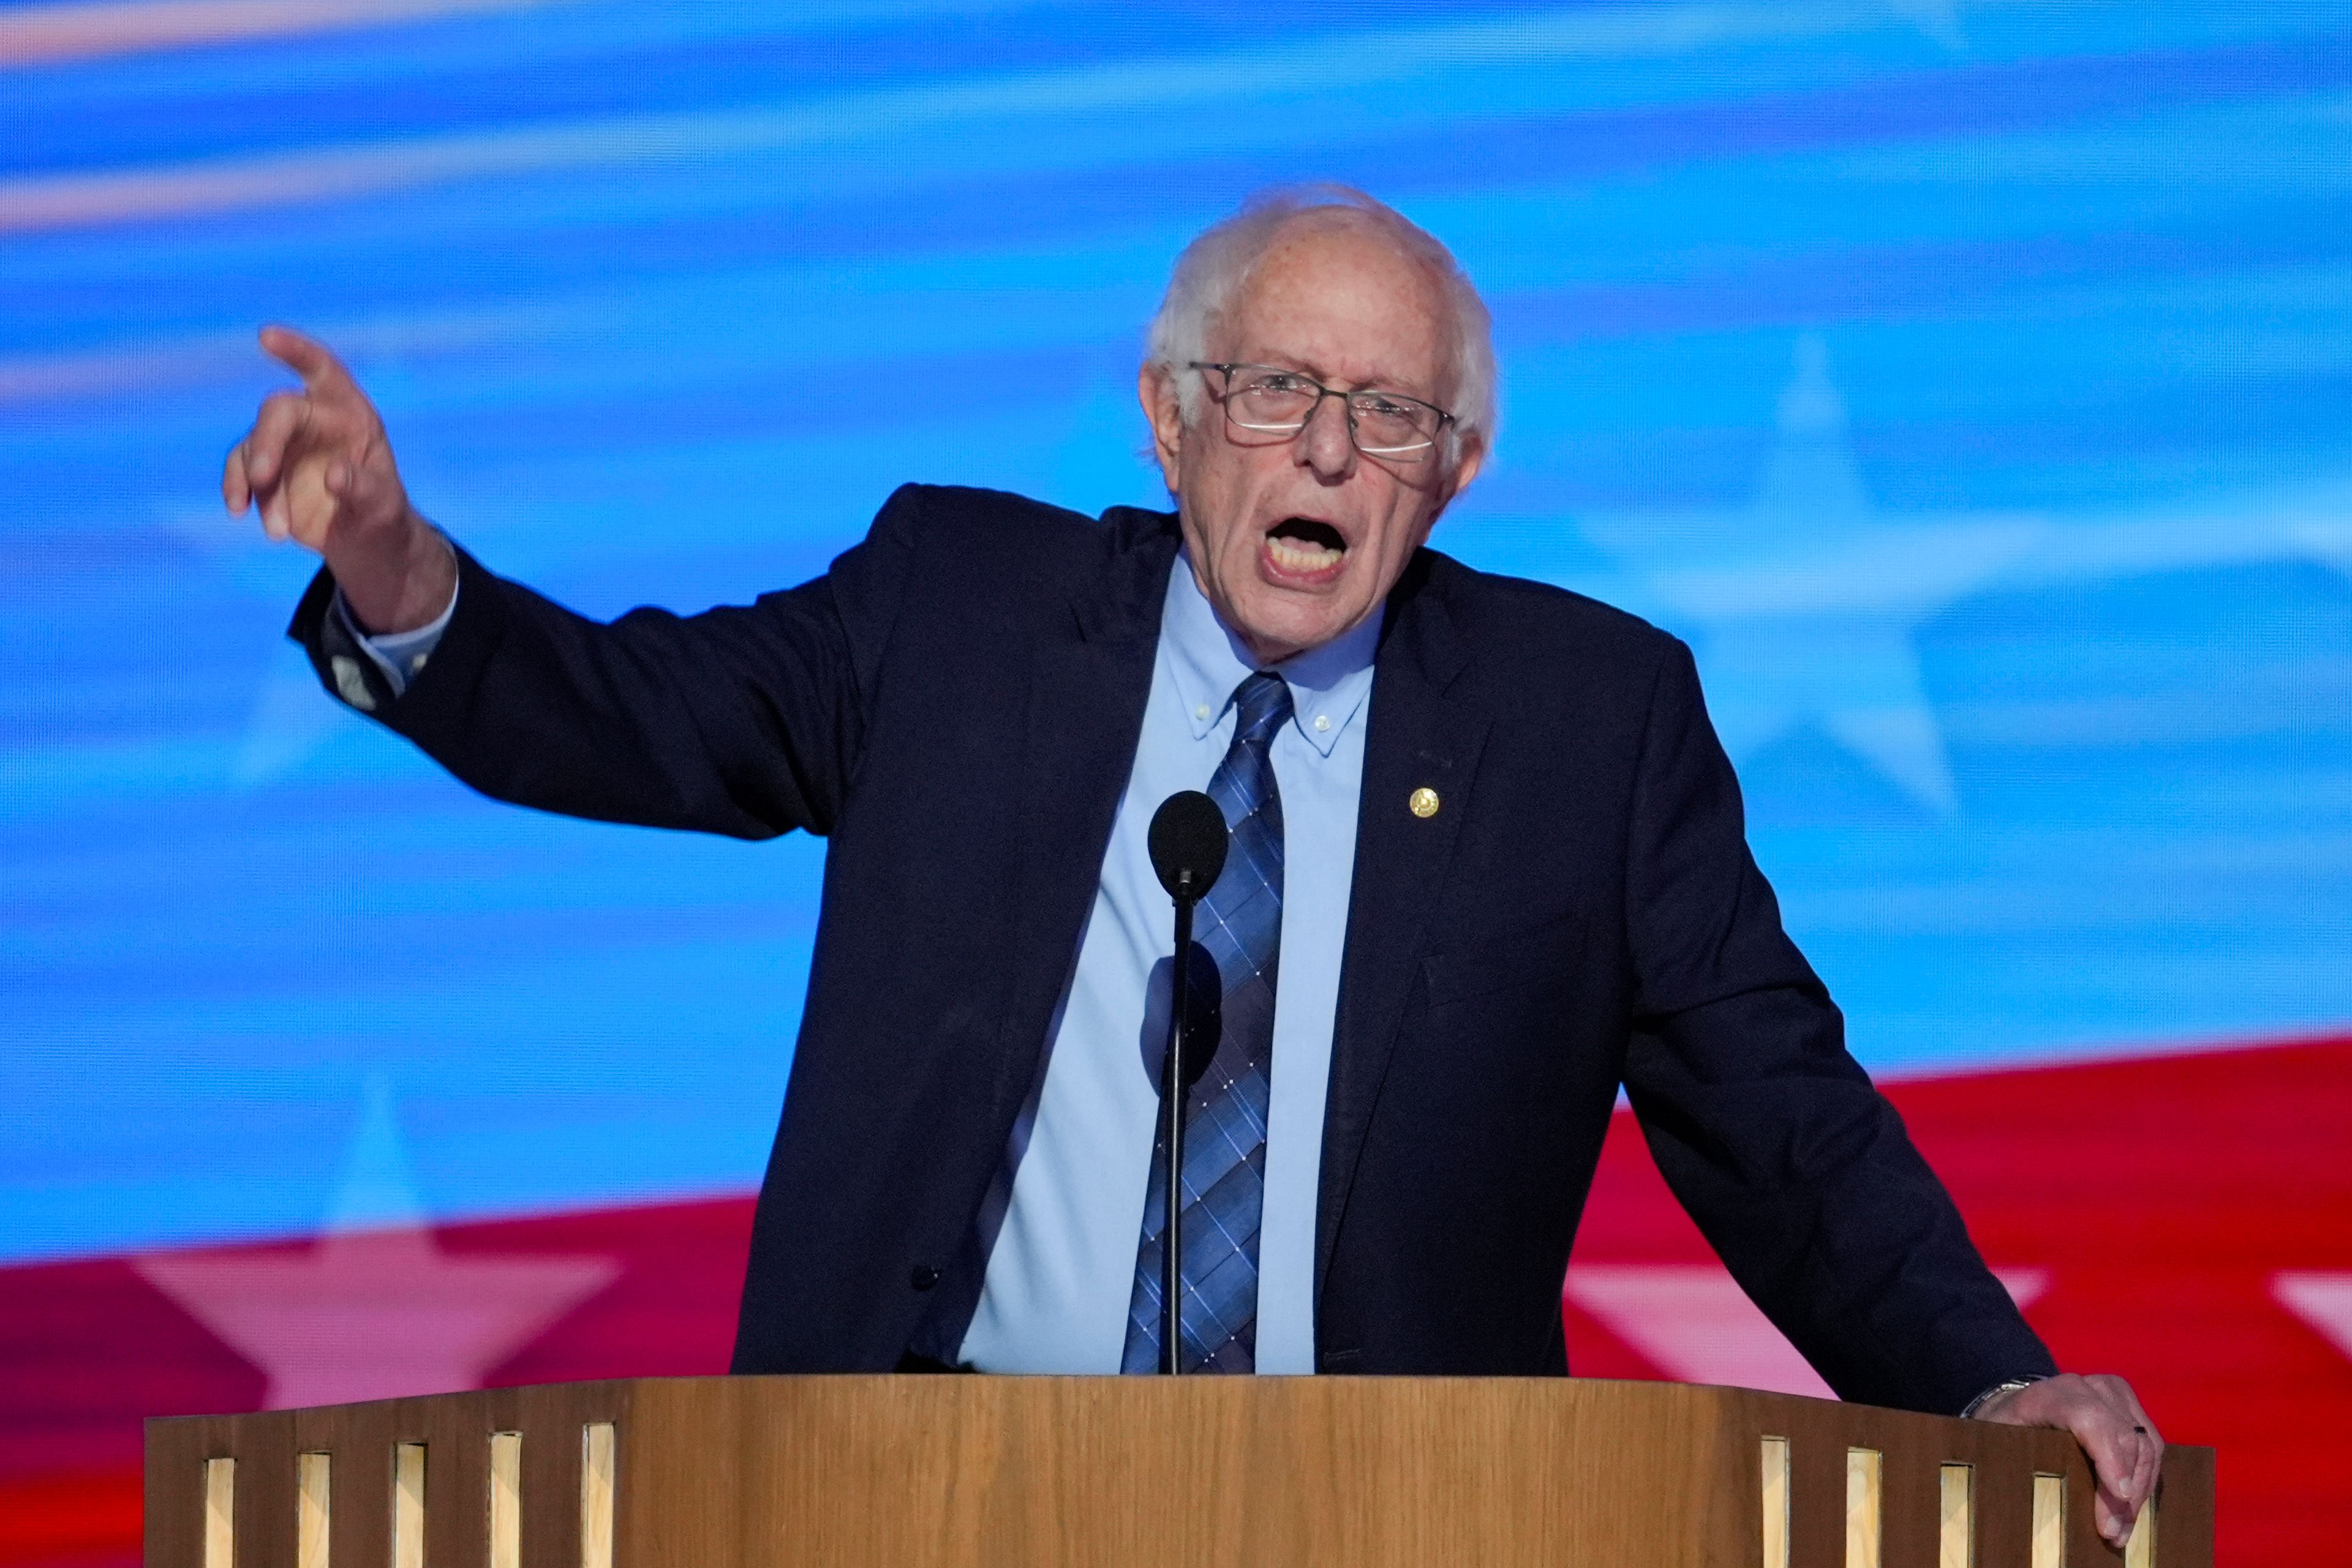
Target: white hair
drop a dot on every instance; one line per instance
(1212, 268)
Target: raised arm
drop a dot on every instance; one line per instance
(745, 720)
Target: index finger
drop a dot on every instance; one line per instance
(307, 357)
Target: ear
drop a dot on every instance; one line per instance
(1464, 468)
(1155, 388)
(1466, 465)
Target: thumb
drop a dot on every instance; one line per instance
(367, 488)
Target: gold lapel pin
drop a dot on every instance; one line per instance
(1423, 802)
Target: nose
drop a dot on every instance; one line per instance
(1325, 446)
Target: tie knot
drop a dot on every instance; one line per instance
(1261, 706)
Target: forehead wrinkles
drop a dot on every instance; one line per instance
(1311, 264)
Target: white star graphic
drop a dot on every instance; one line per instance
(2324, 1302)
(1804, 601)
(376, 1309)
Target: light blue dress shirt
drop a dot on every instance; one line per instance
(399, 655)
(1062, 1267)
(1066, 1212)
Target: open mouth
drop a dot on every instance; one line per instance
(1305, 546)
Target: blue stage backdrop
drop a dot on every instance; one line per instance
(1971, 383)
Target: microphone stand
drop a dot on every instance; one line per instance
(1175, 1090)
(1188, 840)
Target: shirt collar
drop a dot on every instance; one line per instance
(1327, 684)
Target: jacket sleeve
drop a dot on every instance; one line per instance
(745, 720)
(1797, 1170)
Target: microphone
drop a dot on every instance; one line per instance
(1188, 841)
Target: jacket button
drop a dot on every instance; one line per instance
(923, 1277)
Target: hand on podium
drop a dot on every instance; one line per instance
(2106, 1417)
(319, 464)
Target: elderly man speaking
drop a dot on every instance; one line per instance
(1489, 866)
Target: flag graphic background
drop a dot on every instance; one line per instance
(1971, 384)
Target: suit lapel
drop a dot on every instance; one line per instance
(1417, 741)
(1090, 678)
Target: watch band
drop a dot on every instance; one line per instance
(1995, 1391)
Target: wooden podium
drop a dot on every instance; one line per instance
(1198, 1472)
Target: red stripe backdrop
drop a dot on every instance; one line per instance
(2165, 1218)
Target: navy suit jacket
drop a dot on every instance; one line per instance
(955, 704)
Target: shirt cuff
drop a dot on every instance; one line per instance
(399, 655)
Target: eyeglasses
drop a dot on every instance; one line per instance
(1268, 400)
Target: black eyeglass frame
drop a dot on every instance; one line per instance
(1399, 454)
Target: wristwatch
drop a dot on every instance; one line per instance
(1995, 1391)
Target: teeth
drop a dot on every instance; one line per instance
(1299, 555)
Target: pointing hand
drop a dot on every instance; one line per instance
(320, 468)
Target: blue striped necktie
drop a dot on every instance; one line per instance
(1239, 927)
